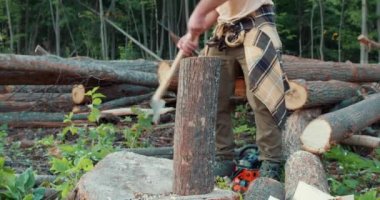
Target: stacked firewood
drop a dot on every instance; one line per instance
(38, 90)
(335, 108)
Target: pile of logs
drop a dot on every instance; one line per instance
(333, 109)
(331, 102)
(35, 88)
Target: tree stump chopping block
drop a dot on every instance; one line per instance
(194, 134)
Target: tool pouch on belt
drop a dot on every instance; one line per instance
(232, 34)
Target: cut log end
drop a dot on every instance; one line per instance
(316, 136)
(296, 97)
(78, 94)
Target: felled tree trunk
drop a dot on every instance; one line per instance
(306, 167)
(333, 127)
(125, 101)
(37, 88)
(262, 188)
(12, 106)
(77, 69)
(325, 71)
(295, 124)
(363, 140)
(110, 92)
(29, 97)
(306, 94)
(194, 138)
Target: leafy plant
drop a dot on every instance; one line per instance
(3, 135)
(241, 122)
(133, 133)
(96, 100)
(353, 173)
(18, 187)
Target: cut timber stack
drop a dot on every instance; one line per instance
(332, 128)
(329, 102)
(50, 84)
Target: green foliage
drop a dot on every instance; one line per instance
(132, 134)
(241, 122)
(20, 187)
(222, 183)
(354, 173)
(96, 100)
(3, 135)
(70, 160)
(92, 144)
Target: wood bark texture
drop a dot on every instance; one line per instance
(194, 138)
(363, 140)
(325, 71)
(306, 167)
(332, 128)
(295, 124)
(306, 94)
(37, 88)
(83, 70)
(29, 97)
(263, 187)
(125, 101)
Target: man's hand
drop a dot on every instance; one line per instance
(188, 43)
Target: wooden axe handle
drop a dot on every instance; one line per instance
(165, 83)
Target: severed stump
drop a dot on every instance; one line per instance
(194, 135)
(295, 124)
(331, 128)
(263, 187)
(306, 94)
(306, 167)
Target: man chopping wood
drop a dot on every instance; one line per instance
(245, 35)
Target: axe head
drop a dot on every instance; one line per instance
(157, 105)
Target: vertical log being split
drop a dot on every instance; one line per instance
(294, 127)
(194, 138)
(262, 188)
(306, 167)
(333, 127)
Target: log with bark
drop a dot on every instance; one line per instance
(306, 94)
(60, 68)
(36, 106)
(46, 119)
(325, 71)
(31, 97)
(125, 101)
(363, 140)
(194, 137)
(263, 187)
(331, 128)
(12, 106)
(306, 167)
(295, 124)
(37, 89)
(110, 92)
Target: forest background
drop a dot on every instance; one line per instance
(319, 29)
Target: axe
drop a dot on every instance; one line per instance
(157, 103)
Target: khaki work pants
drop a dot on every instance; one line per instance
(268, 135)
